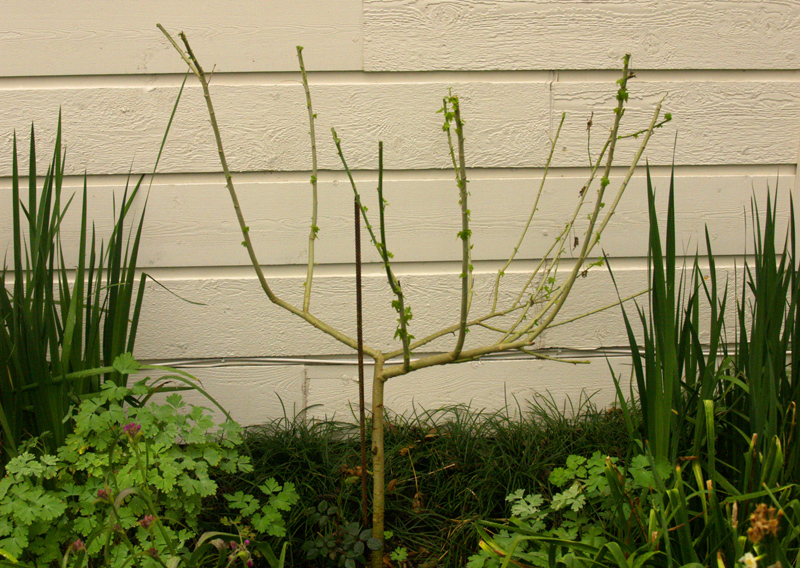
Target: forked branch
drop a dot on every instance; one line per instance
(190, 59)
(534, 307)
(454, 117)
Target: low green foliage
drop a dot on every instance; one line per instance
(129, 485)
(583, 512)
(718, 430)
(446, 468)
(338, 543)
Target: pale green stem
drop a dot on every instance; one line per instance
(555, 359)
(557, 242)
(312, 235)
(393, 282)
(464, 234)
(452, 329)
(194, 65)
(601, 309)
(559, 296)
(535, 208)
(590, 238)
(570, 223)
(378, 460)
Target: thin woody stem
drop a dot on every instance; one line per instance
(553, 306)
(453, 329)
(312, 235)
(464, 234)
(337, 141)
(378, 462)
(393, 283)
(194, 65)
(559, 241)
(629, 175)
(590, 237)
(535, 207)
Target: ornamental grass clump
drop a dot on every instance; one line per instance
(57, 325)
(717, 428)
(516, 324)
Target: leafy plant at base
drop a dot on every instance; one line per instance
(462, 460)
(719, 437)
(338, 543)
(521, 322)
(128, 486)
(584, 512)
(48, 329)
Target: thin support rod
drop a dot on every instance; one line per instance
(360, 338)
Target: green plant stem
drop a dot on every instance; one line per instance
(394, 284)
(466, 267)
(190, 59)
(591, 238)
(378, 462)
(501, 272)
(144, 497)
(312, 236)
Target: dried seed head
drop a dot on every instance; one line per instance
(765, 521)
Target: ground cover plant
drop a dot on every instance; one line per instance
(446, 468)
(516, 324)
(127, 486)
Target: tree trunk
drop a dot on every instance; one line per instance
(377, 462)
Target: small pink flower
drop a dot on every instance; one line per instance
(250, 563)
(152, 552)
(78, 546)
(131, 429)
(246, 542)
(146, 521)
(103, 495)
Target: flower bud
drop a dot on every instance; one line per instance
(131, 429)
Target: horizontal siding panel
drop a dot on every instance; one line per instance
(264, 127)
(252, 394)
(420, 35)
(484, 386)
(192, 223)
(238, 320)
(85, 37)
(259, 394)
(716, 122)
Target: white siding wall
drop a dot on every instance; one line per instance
(730, 71)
